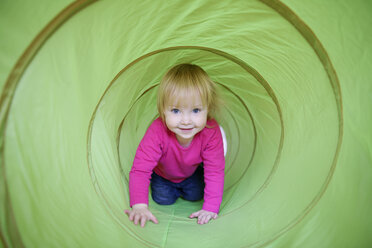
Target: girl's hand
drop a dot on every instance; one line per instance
(140, 214)
(203, 216)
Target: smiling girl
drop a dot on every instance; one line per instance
(182, 152)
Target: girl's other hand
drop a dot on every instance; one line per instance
(140, 214)
(203, 216)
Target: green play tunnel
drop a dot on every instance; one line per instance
(79, 86)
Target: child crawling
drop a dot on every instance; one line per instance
(182, 152)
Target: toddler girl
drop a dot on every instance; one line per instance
(182, 152)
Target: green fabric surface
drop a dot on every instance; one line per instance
(297, 97)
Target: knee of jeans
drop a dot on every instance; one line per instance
(161, 200)
(194, 196)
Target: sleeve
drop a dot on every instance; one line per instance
(214, 171)
(148, 154)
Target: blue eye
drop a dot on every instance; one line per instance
(175, 111)
(196, 110)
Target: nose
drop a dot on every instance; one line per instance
(185, 120)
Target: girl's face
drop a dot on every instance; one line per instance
(186, 119)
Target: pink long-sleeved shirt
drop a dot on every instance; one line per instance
(159, 151)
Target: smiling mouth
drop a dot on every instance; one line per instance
(186, 129)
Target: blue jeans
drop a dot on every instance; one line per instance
(165, 192)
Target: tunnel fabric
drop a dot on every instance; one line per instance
(296, 84)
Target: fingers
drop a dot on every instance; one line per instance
(136, 218)
(130, 214)
(204, 219)
(196, 214)
(204, 216)
(153, 219)
(143, 221)
(140, 217)
(201, 220)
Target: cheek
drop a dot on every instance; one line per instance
(170, 121)
(202, 121)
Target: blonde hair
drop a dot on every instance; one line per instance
(184, 81)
